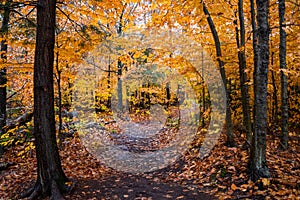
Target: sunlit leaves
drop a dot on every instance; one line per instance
(83, 25)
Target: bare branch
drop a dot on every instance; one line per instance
(99, 67)
(13, 94)
(73, 22)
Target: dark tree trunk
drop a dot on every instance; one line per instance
(148, 97)
(108, 87)
(258, 163)
(254, 44)
(203, 91)
(59, 103)
(51, 180)
(120, 92)
(3, 79)
(168, 94)
(230, 140)
(243, 75)
(120, 64)
(284, 83)
(275, 99)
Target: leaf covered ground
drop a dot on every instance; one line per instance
(221, 175)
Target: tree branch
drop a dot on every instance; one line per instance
(20, 121)
(104, 70)
(13, 94)
(73, 22)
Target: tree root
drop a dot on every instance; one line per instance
(33, 192)
(281, 147)
(256, 174)
(54, 192)
(230, 144)
(5, 165)
(246, 145)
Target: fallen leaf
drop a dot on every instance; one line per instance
(233, 187)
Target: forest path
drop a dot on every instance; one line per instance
(93, 180)
(101, 182)
(127, 186)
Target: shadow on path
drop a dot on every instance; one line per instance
(134, 187)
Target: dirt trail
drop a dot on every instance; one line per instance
(123, 186)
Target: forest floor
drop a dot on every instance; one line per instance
(221, 175)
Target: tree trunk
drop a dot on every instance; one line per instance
(51, 180)
(243, 75)
(168, 95)
(284, 84)
(69, 95)
(3, 79)
(120, 89)
(203, 91)
(108, 87)
(258, 163)
(254, 44)
(58, 81)
(230, 140)
(275, 100)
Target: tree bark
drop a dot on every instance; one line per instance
(108, 105)
(168, 94)
(3, 79)
(258, 163)
(254, 44)
(59, 103)
(203, 91)
(120, 87)
(284, 84)
(51, 180)
(274, 116)
(230, 140)
(243, 75)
